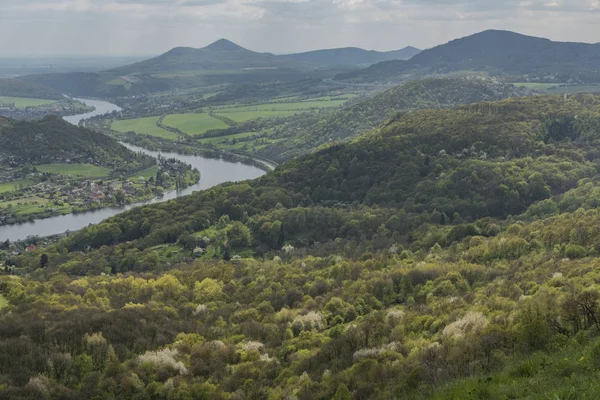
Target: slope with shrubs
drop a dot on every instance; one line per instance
(451, 254)
(305, 134)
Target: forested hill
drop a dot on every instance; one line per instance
(431, 93)
(19, 88)
(52, 140)
(452, 254)
(220, 55)
(497, 53)
(350, 56)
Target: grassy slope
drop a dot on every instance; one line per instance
(75, 170)
(144, 126)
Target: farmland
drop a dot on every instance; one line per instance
(22, 102)
(193, 124)
(144, 126)
(75, 170)
(559, 88)
(14, 185)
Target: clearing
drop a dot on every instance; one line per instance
(75, 170)
(143, 126)
(22, 102)
(193, 124)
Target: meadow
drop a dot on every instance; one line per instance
(144, 126)
(22, 102)
(14, 185)
(75, 170)
(193, 124)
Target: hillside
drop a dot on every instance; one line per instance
(52, 140)
(19, 88)
(452, 254)
(302, 136)
(350, 56)
(497, 53)
(220, 55)
(180, 68)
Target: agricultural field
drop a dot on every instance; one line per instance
(75, 170)
(243, 116)
(14, 185)
(26, 206)
(22, 102)
(193, 124)
(143, 126)
(119, 82)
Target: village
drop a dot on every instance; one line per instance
(61, 108)
(64, 195)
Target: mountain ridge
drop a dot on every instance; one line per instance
(497, 52)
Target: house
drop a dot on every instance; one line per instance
(31, 247)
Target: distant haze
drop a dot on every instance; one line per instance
(136, 27)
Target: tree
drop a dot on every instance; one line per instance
(43, 260)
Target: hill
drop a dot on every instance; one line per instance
(306, 134)
(350, 56)
(451, 254)
(182, 67)
(19, 88)
(52, 140)
(497, 53)
(218, 63)
(220, 55)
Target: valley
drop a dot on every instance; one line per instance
(223, 223)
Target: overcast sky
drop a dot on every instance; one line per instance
(142, 27)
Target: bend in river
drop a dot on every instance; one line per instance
(214, 172)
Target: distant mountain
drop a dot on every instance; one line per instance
(351, 56)
(497, 53)
(302, 136)
(220, 55)
(52, 139)
(19, 88)
(218, 63)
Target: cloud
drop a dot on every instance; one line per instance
(142, 26)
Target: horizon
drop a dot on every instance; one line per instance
(141, 27)
(66, 56)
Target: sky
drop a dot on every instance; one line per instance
(146, 27)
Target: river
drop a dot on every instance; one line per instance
(214, 172)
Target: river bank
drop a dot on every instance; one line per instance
(214, 172)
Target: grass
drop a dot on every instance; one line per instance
(22, 102)
(26, 206)
(14, 185)
(147, 173)
(290, 106)
(144, 126)
(119, 82)
(75, 170)
(193, 124)
(250, 115)
(3, 302)
(191, 74)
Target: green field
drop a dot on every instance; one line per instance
(22, 102)
(119, 82)
(75, 170)
(191, 74)
(3, 302)
(290, 106)
(14, 185)
(147, 173)
(243, 116)
(144, 126)
(193, 124)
